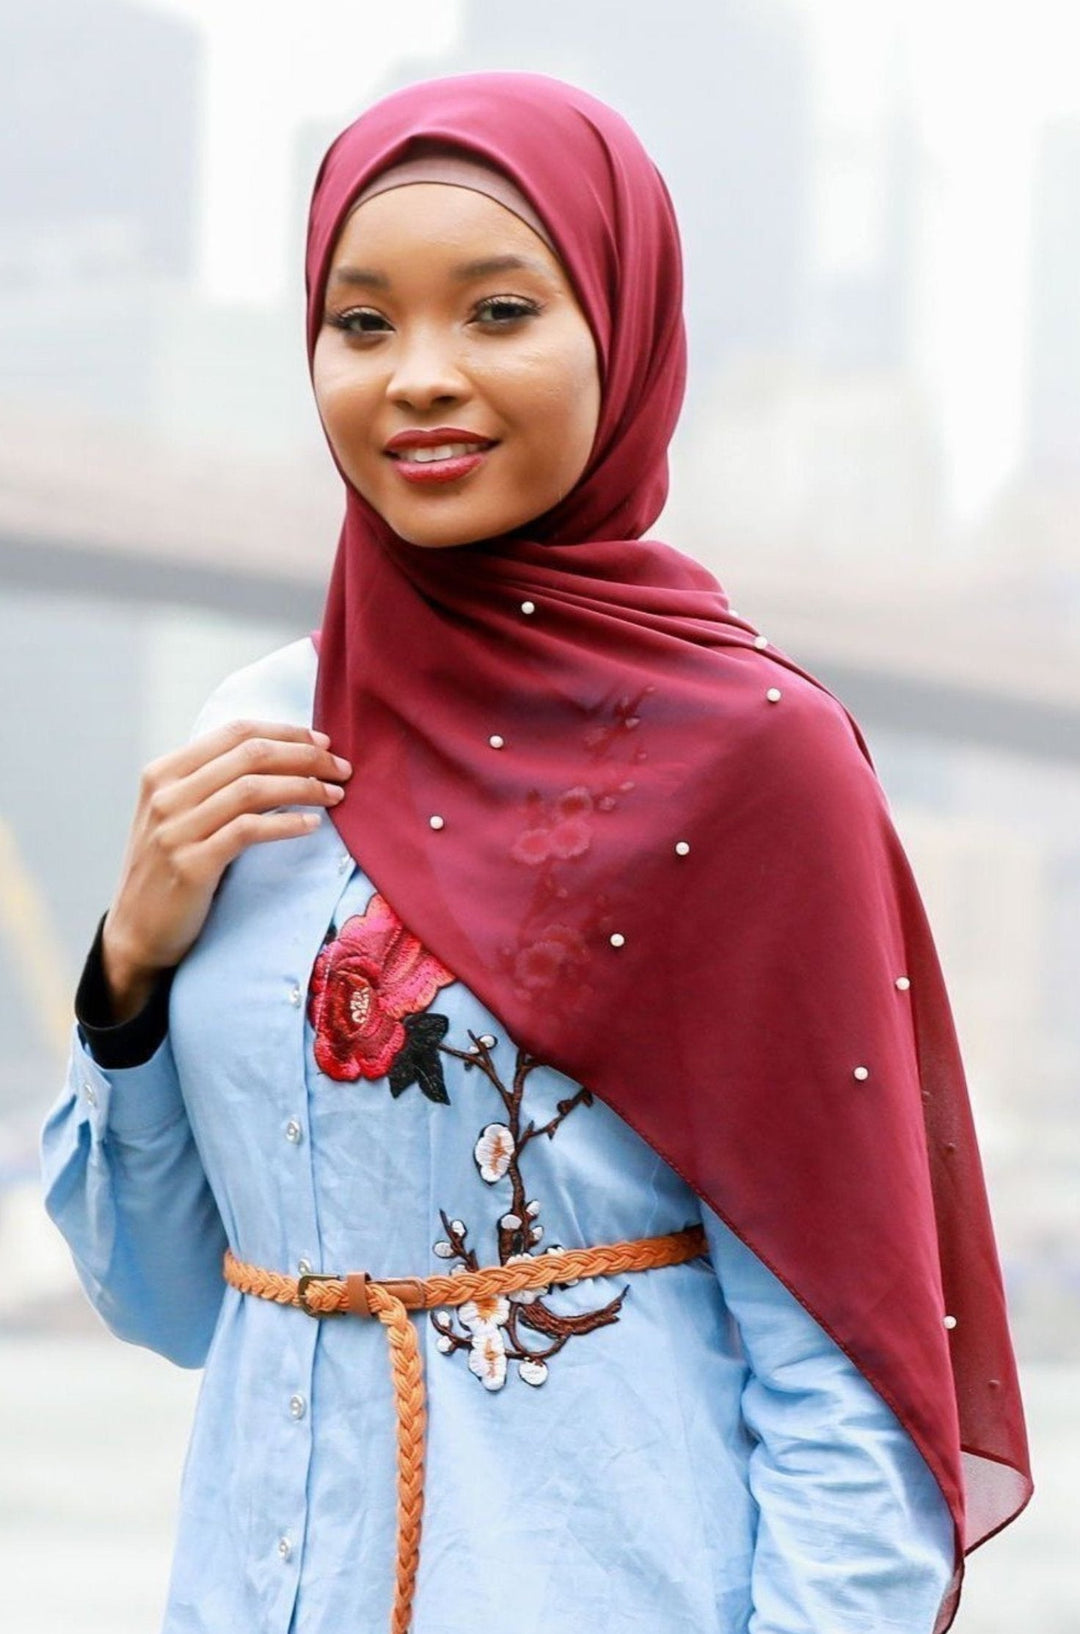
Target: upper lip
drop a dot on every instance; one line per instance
(432, 439)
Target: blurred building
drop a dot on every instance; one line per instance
(1054, 373)
(98, 157)
(867, 316)
(98, 143)
(1029, 543)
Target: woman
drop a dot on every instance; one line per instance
(597, 864)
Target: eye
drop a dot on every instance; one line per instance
(359, 320)
(501, 310)
(494, 312)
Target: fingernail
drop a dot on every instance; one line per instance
(321, 737)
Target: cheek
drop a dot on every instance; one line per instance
(343, 398)
(572, 407)
(557, 395)
(588, 393)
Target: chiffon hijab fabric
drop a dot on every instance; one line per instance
(676, 880)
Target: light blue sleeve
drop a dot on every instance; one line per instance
(853, 1531)
(125, 1185)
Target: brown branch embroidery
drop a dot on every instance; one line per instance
(491, 1326)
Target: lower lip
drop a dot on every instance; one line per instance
(421, 472)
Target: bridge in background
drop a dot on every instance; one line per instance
(89, 511)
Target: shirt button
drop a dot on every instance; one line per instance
(303, 1265)
(344, 863)
(297, 1406)
(294, 1131)
(284, 1548)
(295, 995)
(91, 1094)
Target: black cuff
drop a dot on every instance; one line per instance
(125, 1043)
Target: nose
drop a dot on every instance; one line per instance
(426, 369)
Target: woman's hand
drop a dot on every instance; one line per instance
(198, 808)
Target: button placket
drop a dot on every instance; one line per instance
(290, 1135)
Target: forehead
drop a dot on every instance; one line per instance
(437, 217)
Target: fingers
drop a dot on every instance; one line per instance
(251, 794)
(257, 755)
(180, 763)
(198, 808)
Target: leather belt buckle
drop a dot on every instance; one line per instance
(407, 1289)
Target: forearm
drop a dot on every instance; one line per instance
(125, 1185)
(853, 1531)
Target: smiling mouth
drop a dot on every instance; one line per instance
(441, 464)
(444, 451)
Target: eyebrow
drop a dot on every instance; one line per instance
(368, 278)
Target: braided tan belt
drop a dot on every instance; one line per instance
(390, 1298)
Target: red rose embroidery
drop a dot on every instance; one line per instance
(364, 982)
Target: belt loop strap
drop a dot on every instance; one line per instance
(356, 1294)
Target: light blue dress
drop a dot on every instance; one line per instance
(692, 1455)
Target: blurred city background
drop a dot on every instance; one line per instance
(880, 459)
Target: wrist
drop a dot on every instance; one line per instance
(128, 979)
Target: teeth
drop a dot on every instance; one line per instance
(445, 451)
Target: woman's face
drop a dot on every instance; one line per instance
(445, 313)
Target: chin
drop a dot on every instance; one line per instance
(438, 538)
(431, 533)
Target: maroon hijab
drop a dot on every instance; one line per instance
(676, 880)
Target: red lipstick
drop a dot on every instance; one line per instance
(455, 453)
(437, 436)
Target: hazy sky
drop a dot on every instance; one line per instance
(981, 80)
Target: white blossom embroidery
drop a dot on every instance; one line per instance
(487, 1359)
(493, 1152)
(486, 1313)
